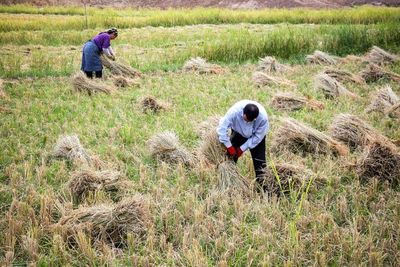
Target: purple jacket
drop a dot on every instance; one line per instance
(102, 40)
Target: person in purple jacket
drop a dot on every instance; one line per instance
(93, 48)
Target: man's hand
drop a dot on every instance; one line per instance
(231, 151)
(239, 152)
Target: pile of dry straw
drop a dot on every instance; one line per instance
(82, 83)
(373, 73)
(331, 87)
(69, 147)
(270, 64)
(262, 79)
(290, 102)
(151, 104)
(385, 101)
(119, 69)
(201, 66)
(321, 58)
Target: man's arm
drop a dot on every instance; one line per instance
(222, 130)
(257, 137)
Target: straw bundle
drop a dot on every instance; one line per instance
(212, 149)
(87, 181)
(379, 56)
(290, 102)
(299, 138)
(107, 223)
(201, 66)
(165, 146)
(353, 131)
(384, 100)
(343, 76)
(204, 127)
(321, 58)
(394, 111)
(122, 82)
(330, 87)
(381, 161)
(119, 69)
(261, 79)
(373, 73)
(282, 178)
(69, 147)
(83, 84)
(2, 93)
(230, 180)
(270, 64)
(150, 103)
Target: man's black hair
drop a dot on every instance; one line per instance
(251, 111)
(113, 30)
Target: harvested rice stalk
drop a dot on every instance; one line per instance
(230, 180)
(206, 126)
(321, 58)
(261, 79)
(351, 59)
(149, 103)
(69, 147)
(201, 66)
(343, 76)
(384, 100)
(380, 57)
(393, 111)
(373, 73)
(270, 64)
(123, 82)
(165, 146)
(85, 181)
(83, 84)
(299, 138)
(2, 93)
(330, 87)
(353, 131)
(107, 223)
(290, 102)
(119, 69)
(381, 161)
(212, 149)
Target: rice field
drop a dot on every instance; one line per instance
(329, 214)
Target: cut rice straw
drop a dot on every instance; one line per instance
(212, 149)
(380, 57)
(69, 147)
(262, 79)
(201, 66)
(151, 104)
(384, 99)
(270, 64)
(343, 76)
(331, 87)
(231, 181)
(83, 84)
(119, 69)
(204, 127)
(291, 102)
(321, 58)
(373, 73)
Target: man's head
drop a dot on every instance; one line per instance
(250, 112)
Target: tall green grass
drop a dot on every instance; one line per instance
(129, 18)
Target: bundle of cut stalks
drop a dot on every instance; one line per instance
(382, 161)
(299, 138)
(270, 64)
(150, 103)
(353, 131)
(107, 223)
(394, 111)
(290, 102)
(119, 69)
(69, 147)
(283, 178)
(122, 82)
(2, 93)
(230, 180)
(212, 149)
(201, 66)
(379, 56)
(331, 87)
(83, 84)
(165, 146)
(373, 73)
(211, 123)
(343, 76)
(351, 59)
(384, 100)
(261, 79)
(88, 181)
(321, 58)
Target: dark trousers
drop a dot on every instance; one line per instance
(257, 154)
(89, 74)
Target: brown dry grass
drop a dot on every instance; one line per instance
(290, 102)
(201, 66)
(262, 79)
(384, 99)
(331, 87)
(380, 57)
(394, 111)
(151, 104)
(83, 84)
(69, 147)
(321, 58)
(374, 73)
(343, 76)
(270, 64)
(123, 82)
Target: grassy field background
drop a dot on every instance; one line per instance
(341, 222)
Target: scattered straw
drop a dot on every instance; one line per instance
(165, 146)
(299, 138)
(379, 56)
(212, 149)
(83, 84)
(290, 102)
(123, 82)
(201, 66)
(230, 180)
(321, 58)
(150, 103)
(211, 123)
(353, 131)
(373, 73)
(270, 64)
(343, 76)
(383, 100)
(69, 147)
(331, 87)
(119, 69)
(394, 111)
(381, 161)
(107, 223)
(261, 79)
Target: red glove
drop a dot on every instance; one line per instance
(231, 151)
(239, 152)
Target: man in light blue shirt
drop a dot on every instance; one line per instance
(248, 121)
